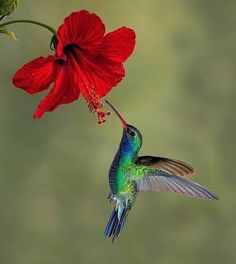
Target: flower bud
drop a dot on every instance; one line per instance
(8, 6)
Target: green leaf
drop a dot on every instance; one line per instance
(9, 33)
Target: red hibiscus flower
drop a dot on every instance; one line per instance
(86, 62)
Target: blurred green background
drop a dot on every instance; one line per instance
(179, 91)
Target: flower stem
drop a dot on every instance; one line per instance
(31, 22)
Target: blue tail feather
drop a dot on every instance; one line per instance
(115, 225)
(122, 222)
(111, 225)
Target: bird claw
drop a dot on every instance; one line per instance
(110, 197)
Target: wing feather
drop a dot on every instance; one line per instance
(163, 182)
(171, 166)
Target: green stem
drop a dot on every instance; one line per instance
(31, 22)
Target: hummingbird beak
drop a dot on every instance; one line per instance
(123, 122)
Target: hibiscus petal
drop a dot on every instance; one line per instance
(105, 76)
(97, 74)
(118, 45)
(36, 75)
(63, 92)
(81, 28)
(71, 80)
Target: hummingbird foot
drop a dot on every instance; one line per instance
(110, 197)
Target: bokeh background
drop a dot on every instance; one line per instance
(179, 91)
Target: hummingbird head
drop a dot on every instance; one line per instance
(132, 139)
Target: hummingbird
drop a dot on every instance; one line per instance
(130, 174)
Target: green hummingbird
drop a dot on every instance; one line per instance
(130, 174)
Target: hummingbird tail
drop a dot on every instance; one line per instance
(116, 224)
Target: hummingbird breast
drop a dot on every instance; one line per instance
(116, 174)
(119, 179)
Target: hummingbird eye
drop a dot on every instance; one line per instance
(131, 132)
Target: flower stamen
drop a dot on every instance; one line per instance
(94, 103)
(101, 116)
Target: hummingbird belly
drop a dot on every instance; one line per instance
(123, 191)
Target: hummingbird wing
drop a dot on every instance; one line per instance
(159, 181)
(170, 166)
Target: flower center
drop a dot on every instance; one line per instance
(70, 48)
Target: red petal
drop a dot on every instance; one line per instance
(36, 75)
(65, 90)
(105, 76)
(97, 74)
(82, 28)
(118, 45)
